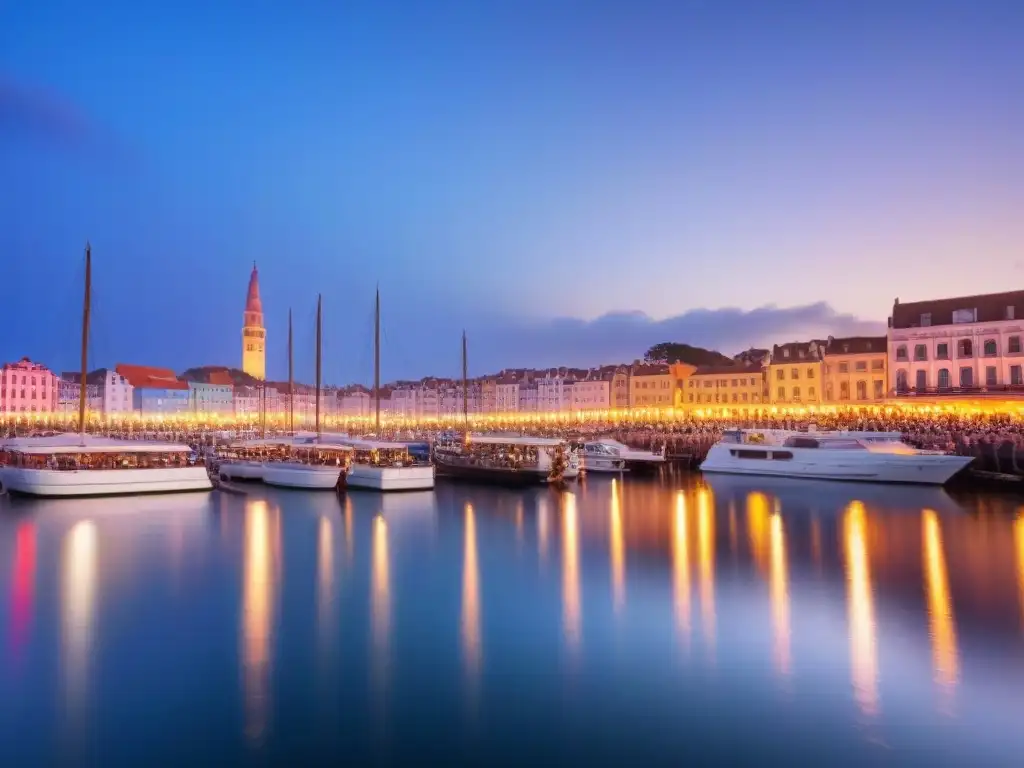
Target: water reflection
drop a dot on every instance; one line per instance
(22, 587)
(617, 545)
(257, 616)
(380, 599)
(779, 590)
(543, 532)
(681, 568)
(348, 529)
(860, 602)
(570, 572)
(940, 608)
(706, 564)
(325, 579)
(79, 603)
(757, 529)
(470, 596)
(1018, 537)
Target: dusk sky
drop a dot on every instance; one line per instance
(569, 181)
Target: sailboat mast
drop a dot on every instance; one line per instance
(86, 308)
(319, 316)
(465, 382)
(376, 365)
(291, 382)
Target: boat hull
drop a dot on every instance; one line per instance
(856, 466)
(242, 470)
(369, 477)
(103, 482)
(304, 476)
(516, 478)
(603, 464)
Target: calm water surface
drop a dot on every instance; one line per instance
(619, 621)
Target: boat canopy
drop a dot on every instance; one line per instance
(549, 442)
(75, 443)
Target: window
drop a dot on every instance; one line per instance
(901, 352)
(1015, 377)
(748, 454)
(990, 376)
(796, 393)
(964, 315)
(942, 351)
(966, 376)
(810, 373)
(879, 389)
(745, 395)
(921, 380)
(990, 348)
(794, 373)
(861, 366)
(964, 348)
(901, 381)
(1013, 345)
(734, 397)
(801, 354)
(782, 393)
(810, 392)
(844, 390)
(926, 319)
(920, 352)
(1010, 313)
(785, 353)
(780, 374)
(878, 365)
(844, 367)
(862, 390)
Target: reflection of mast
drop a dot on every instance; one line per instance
(570, 572)
(79, 597)
(470, 595)
(257, 617)
(940, 606)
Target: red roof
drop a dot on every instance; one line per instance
(152, 378)
(252, 299)
(221, 378)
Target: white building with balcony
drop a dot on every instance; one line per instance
(962, 343)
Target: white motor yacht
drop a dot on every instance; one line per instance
(248, 459)
(83, 465)
(310, 466)
(378, 465)
(634, 460)
(599, 457)
(880, 457)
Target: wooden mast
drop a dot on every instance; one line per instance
(319, 316)
(86, 308)
(376, 366)
(291, 382)
(465, 383)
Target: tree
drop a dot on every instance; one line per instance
(674, 352)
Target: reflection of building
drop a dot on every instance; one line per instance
(794, 373)
(254, 335)
(855, 369)
(27, 387)
(973, 341)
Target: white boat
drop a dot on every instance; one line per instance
(83, 465)
(313, 466)
(879, 457)
(248, 459)
(598, 457)
(385, 466)
(637, 461)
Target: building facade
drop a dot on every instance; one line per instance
(27, 387)
(794, 374)
(959, 343)
(724, 385)
(651, 386)
(254, 334)
(212, 398)
(507, 394)
(156, 391)
(593, 393)
(855, 370)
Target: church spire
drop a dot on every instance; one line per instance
(254, 333)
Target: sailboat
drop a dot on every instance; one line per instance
(381, 465)
(312, 463)
(510, 460)
(83, 465)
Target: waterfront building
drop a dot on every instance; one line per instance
(795, 373)
(528, 397)
(554, 390)
(254, 335)
(724, 385)
(965, 342)
(620, 388)
(156, 391)
(488, 394)
(855, 370)
(215, 396)
(651, 385)
(354, 401)
(27, 387)
(751, 357)
(507, 393)
(70, 391)
(593, 392)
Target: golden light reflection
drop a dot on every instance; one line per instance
(863, 632)
(519, 523)
(348, 529)
(79, 603)
(816, 541)
(22, 586)
(681, 567)
(617, 545)
(543, 529)
(325, 573)
(570, 572)
(706, 563)
(1018, 538)
(779, 592)
(942, 624)
(380, 583)
(470, 596)
(758, 528)
(257, 617)
(733, 531)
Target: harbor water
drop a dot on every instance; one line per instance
(629, 621)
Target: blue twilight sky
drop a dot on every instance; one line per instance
(570, 181)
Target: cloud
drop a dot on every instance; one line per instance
(44, 116)
(625, 336)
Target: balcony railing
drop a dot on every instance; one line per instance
(1016, 390)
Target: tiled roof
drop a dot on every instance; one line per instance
(145, 377)
(222, 378)
(809, 349)
(654, 369)
(989, 307)
(856, 345)
(728, 370)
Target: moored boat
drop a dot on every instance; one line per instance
(878, 457)
(82, 465)
(636, 461)
(385, 466)
(598, 457)
(505, 459)
(248, 459)
(314, 466)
